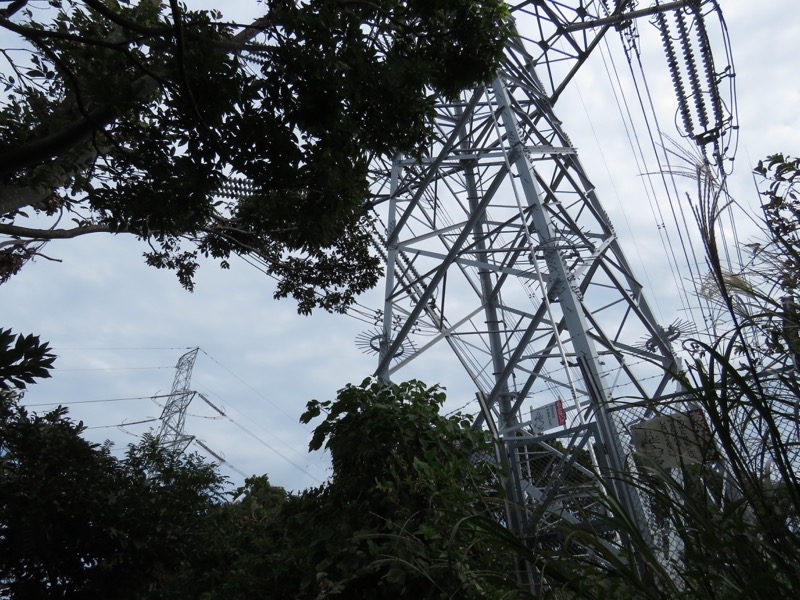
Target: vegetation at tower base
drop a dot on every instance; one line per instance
(394, 521)
(383, 526)
(727, 526)
(407, 476)
(140, 117)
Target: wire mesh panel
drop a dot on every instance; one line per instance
(557, 477)
(647, 467)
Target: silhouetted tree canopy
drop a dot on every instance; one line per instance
(202, 136)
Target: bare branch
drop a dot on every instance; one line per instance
(55, 234)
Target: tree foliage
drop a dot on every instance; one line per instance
(403, 478)
(76, 522)
(780, 176)
(402, 515)
(391, 522)
(23, 359)
(206, 137)
(727, 528)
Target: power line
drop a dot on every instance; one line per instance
(114, 369)
(123, 424)
(220, 458)
(248, 386)
(162, 396)
(258, 439)
(99, 400)
(127, 348)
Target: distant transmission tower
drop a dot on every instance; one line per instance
(498, 247)
(171, 435)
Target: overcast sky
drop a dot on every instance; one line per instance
(119, 327)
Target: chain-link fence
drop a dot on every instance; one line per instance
(679, 461)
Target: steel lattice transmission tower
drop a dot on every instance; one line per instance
(171, 434)
(498, 246)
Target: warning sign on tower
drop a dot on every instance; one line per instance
(548, 416)
(676, 439)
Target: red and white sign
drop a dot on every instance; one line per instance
(548, 416)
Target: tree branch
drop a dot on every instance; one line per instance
(48, 147)
(34, 35)
(119, 19)
(40, 150)
(54, 234)
(13, 197)
(13, 8)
